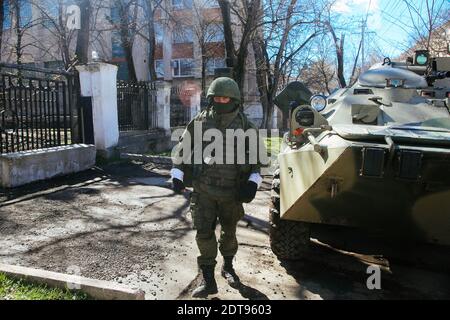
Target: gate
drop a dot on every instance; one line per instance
(136, 106)
(37, 108)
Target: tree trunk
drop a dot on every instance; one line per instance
(127, 31)
(262, 83)
(203, 63)
(18, 30)
(63, 42)
(340, 61)
(128, 48)
(238, 59)
(339, 47)
(227, 32)
(82, 48)
(151, 42)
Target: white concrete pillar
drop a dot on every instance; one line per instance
(195, 104)
(275, 118)
(98, 80)
(163, 104)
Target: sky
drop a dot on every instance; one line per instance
(386, 21)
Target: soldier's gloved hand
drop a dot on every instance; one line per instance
(178, 185)
(248, 192)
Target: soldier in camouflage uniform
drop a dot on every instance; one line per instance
(218, 189)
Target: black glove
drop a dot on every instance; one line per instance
(177, 185)
(248, 192)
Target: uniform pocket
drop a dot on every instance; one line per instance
(194, 208)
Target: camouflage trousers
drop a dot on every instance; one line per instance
(206, 212)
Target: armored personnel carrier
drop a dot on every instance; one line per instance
(374, 156)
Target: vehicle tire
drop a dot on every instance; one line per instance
(288, 239)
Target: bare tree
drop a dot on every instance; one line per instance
(127, 27)
(319, 76)
(429, 25)
(52, 21)
(338, 27)
(22, 26)
(208, 29)
(149, 12)
(339, 47)
(290, 28)
(82, 48)
(248, 12)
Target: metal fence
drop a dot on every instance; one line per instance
(180, 107)
(136, 103)
(36, 108)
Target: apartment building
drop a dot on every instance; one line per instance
(189, 39)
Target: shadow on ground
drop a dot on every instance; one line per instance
(341, 272)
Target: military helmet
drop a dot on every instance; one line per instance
(224, 87)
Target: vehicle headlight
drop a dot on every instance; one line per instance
(318, 102)
(422, 58)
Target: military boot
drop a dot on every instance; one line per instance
(208, 284)
(229, 273)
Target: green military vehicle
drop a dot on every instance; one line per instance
(374, 156)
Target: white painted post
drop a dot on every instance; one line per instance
(275, 118)
(195, 104)
(98, 80)
(163, 105)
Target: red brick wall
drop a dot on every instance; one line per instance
(215, 49)
(182, 50)
(159, 51)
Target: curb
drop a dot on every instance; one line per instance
(97, 289)
(147, 158)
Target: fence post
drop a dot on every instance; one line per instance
(195, 104)
(98, 80)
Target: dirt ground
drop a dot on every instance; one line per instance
(121, 222)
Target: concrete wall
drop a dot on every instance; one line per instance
(23, 167)
(144, 142)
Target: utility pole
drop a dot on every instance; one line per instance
(363, 31)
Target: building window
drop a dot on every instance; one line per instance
(210, 4)
(182, 4)
(115, 16)
(122, 71)
(182, 67)
(25, 13)
(7, 15)
(159, 32)
(214, 33)
(51, 14)
(116, 43)
(213, 63)
(183, 35)
(159, 68)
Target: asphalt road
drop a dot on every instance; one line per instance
(123, 223)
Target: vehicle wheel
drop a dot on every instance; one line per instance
(288, 239)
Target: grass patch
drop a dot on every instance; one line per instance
(273, 145)
(15, 289)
